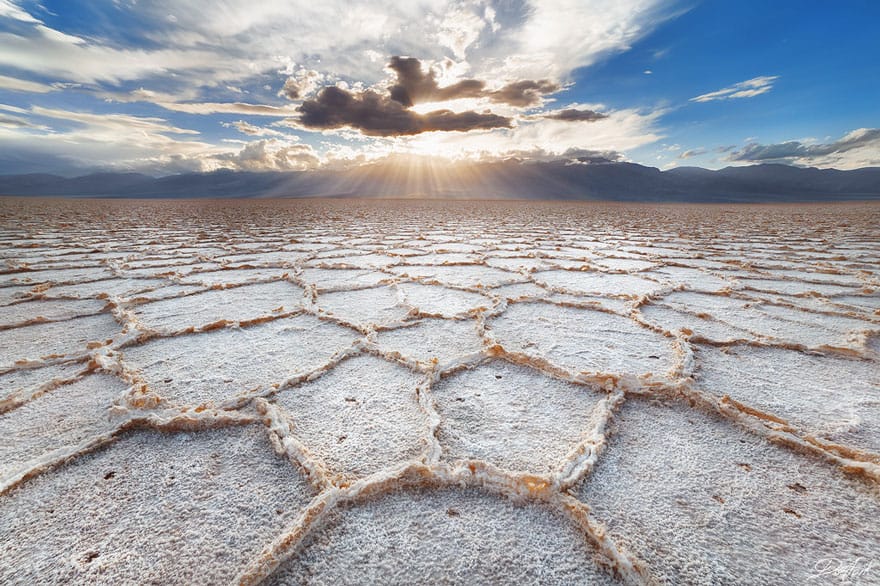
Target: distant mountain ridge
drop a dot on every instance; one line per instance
(609, 181)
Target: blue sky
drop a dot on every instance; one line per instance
(164, 86)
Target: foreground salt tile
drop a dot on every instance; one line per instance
(364, 308)
(57, 276)
(164, 508)
(49, 310)
(330, 279)
(701, 313)
(432, 341)
(216, 366)
(359, 417)
(57, 339)
(451, 536)
(235, 276)
(702, 501)
(595, 283)
(442, 301)
(583, 340)
(623, 264)
(786, 287)
(476, 276)
(512, 416)
(835, 399)
(61, 418)
(106, 288)
(237, 304)
(22, 383)
(691, 278)
(702, 327)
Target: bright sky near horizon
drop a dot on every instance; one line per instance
(166, 86)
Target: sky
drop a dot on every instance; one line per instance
(164, 86)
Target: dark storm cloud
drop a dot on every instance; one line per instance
(524, 93)
(794, 149)
(414, 85)
(377, 115)
(574, 115)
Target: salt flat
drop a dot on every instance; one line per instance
(456, 392)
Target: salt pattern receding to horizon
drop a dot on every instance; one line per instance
(352, 392)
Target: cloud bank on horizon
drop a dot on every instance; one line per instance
(167, 86)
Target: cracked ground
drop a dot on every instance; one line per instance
(322, 392)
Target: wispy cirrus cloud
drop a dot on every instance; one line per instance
(744, 89)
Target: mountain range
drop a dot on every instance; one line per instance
(511, 179)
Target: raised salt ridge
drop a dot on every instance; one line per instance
(294, 392)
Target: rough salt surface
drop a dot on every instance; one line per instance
(194, 511)
(702, 501)
(447, 536)
(218, 365)
(361, 416)
(583, 340)
(512, 416)
(308, 392)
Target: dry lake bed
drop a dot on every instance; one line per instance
(338, 392)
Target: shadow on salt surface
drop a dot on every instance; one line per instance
(359, 417)
(836, 399)
(56, 339)
(444, 536)
(512, 416)
(214, 367)
(703, 501)
(232, 305)
(583, 340)
(152, 507)
(430, 340)
(61, 418)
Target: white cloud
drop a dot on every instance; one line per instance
(856, 149)
(22, 85)
(621, 131)
(744, 89)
